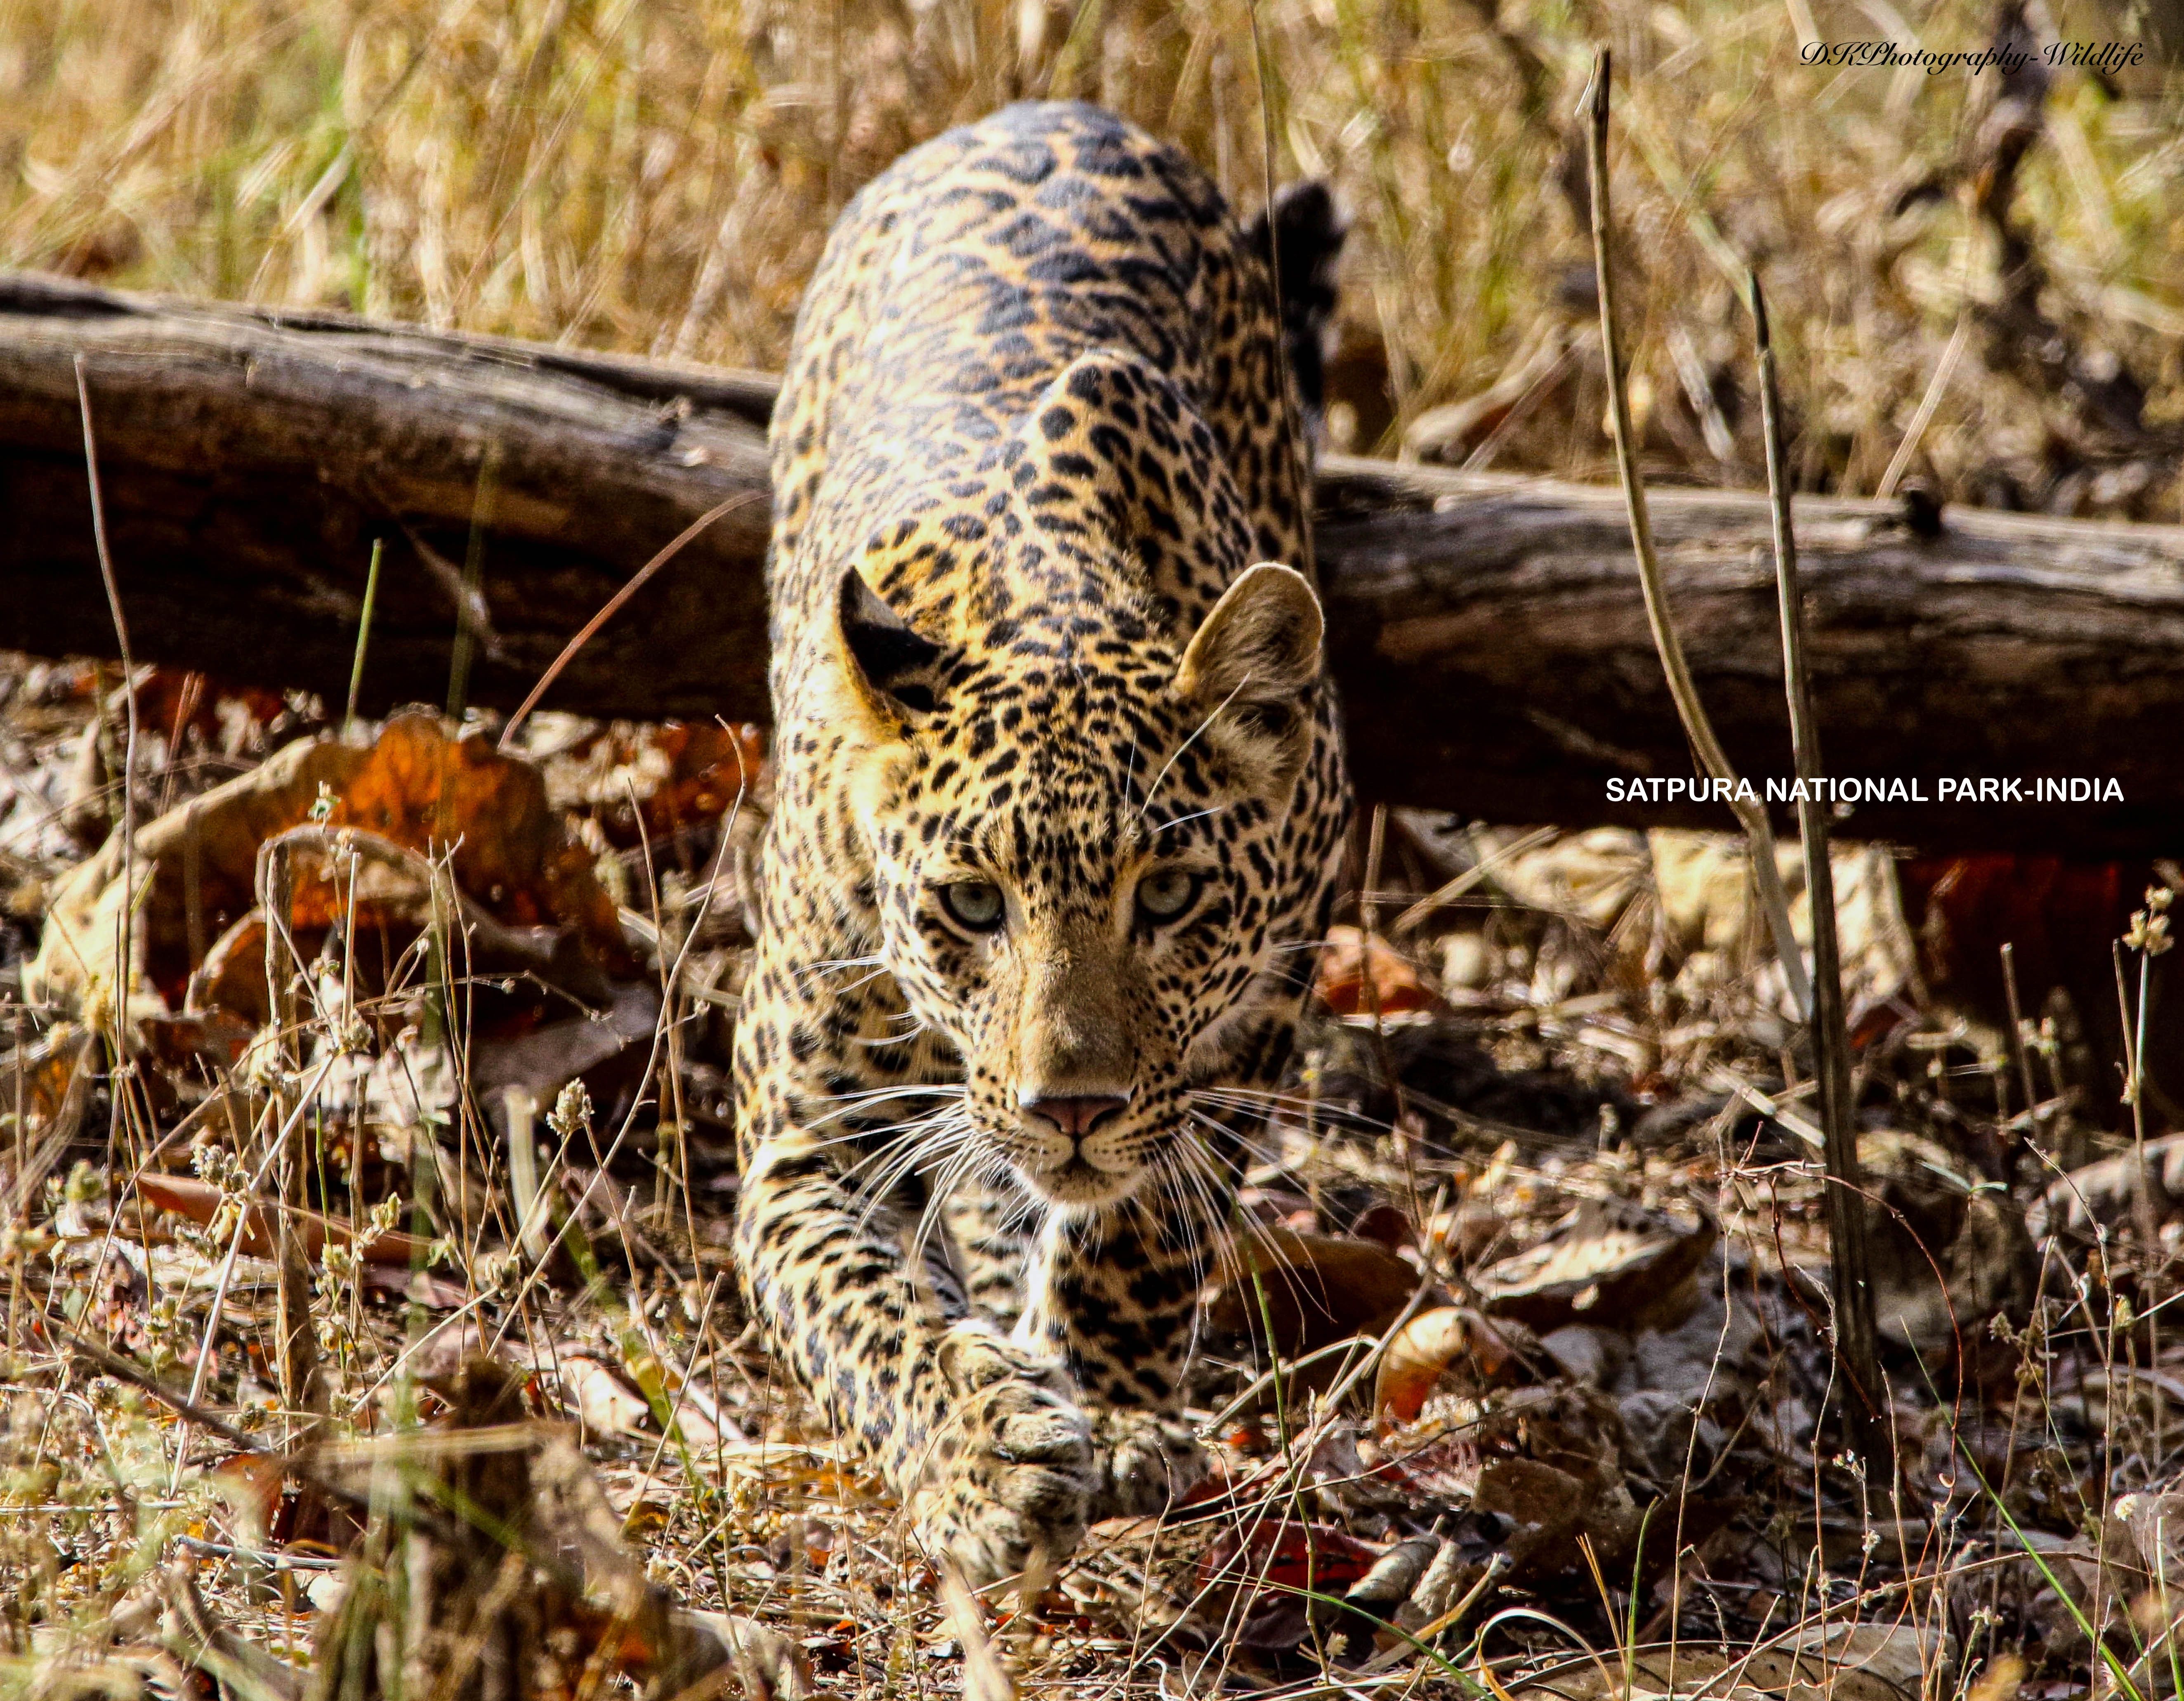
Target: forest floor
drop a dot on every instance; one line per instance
(1517, 1379)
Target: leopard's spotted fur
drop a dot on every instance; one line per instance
(1035, 429)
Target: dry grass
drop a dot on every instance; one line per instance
(1591, 1057)
(660, 176)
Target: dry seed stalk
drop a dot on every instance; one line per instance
(1850, 1254)
(1758, 835)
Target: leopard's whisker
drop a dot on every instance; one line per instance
(927, 1156)
(1194, 1192)
(952, 1123)
(1191, 1162)
(864, 981)
(1273, 1260)
(938, 1192)
(885, 1187)
(901, 1090)
(1212, 714)
(1328, 1113)
(1168, 1178)
(850, 1103)
(889, 1135)
(1184, 820)
(918, 1028)
(910, 1138)
(830, 965)
(1248, 1138)
(971, 1157)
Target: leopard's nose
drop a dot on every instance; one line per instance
(1075, 1115)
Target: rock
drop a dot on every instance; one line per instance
(1587, 1353)
(1949, 1251)
(1665, 1440)
(1707, 1357)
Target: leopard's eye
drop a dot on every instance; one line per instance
(977, 904)
(1166, 893)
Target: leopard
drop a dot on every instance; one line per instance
(1060, 812)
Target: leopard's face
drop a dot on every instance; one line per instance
(1074, 851)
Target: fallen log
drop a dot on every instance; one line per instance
(1487, 630)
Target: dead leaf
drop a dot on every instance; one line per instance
(1343, 966)
(1949, 1254)
(770, 1666)
(1897, 1655)
(544, 1059)
(198, 1046)
(174, 702)
(52, 1075)
(681, 774)
(1316, 1289)
(1263, 1582)
(2058, 916)
(1610, 1263)
(1700, 1673)
(1546, 1506)
(1705, 887)
(200, 1200)
(608, 1405)
(1426, 1346)
(417, 788)
(421, 1287)
(2104, 1192)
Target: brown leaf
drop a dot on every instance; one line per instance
(200, 1045)
(1287, 1555)
(418, 788)
(424, 790)
(2056, 915)
(199, 1201)
(1549, 1509)
(608, 1405)
(1426, 1346)
(681, 774)
(1344, 965)
(1608, 1262)
(1317, 1288)
(53, 1076)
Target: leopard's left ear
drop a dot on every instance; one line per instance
(1251, 665)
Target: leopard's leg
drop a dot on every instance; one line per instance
(995, 1232)
(1114, 1296)
(981, 1438)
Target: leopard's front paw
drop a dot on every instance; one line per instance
(1011, 1472)
(1147, 1462)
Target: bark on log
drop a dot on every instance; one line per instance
(1487, 630)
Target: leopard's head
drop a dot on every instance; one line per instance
(1076, 828)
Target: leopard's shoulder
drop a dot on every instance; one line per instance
(954, 290)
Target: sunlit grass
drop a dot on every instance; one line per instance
(659, 177)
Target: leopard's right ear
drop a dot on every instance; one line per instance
(891, 672)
